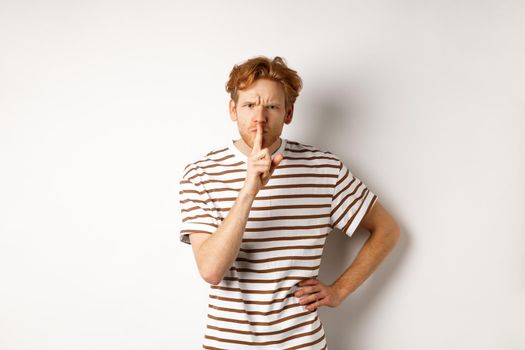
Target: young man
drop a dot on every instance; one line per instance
(257, 213)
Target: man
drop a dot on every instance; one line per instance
(257, 213)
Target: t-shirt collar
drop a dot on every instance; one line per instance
(242, 157)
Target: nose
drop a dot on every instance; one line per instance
(260, 116)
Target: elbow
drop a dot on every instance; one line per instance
(211, 277)
(208, 271)
(395, 233)
(390, 234)
(213, 280)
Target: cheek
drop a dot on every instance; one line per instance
(276, 127)
(241, 124)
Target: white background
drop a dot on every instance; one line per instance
(103, 103)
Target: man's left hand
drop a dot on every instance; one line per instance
(315, 293)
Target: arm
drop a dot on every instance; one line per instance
(215, 253)
(385, 233)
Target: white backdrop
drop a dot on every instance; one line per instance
(103, 103)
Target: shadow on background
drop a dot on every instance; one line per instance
(330, 117)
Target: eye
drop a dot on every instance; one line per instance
(249, 105)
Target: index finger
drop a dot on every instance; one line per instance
(257, 142)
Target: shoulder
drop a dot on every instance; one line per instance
(197, 166)
(312, 153)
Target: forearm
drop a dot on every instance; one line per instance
(375, 249)
(218, 252)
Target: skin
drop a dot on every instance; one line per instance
(260, 114)
(263, 103)
(214, 254)
(384, 234)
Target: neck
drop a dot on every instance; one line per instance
(247, 150)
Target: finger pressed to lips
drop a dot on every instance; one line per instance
(257, 141)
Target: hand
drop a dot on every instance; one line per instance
(260, 164)
(316, 294)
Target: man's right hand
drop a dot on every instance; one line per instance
(260, 165)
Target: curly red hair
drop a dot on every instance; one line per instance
(262, 67)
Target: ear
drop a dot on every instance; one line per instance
(231, 109)
(289, 115)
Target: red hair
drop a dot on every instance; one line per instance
(261, 67)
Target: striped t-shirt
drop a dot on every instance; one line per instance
(309, 193)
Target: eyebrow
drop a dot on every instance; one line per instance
(271, 102)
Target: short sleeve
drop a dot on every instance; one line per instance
(351, 200)
(198, 212)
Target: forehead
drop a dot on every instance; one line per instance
(263, 88)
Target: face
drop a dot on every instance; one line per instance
(261, 103)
